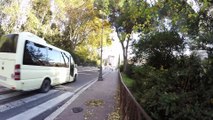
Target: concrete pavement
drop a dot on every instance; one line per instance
(94, 103)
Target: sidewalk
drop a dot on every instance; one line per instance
(95, 103)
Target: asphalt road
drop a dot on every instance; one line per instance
(16, 105)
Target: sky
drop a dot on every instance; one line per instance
(113, 50)
(194, 5)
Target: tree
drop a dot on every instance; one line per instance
(1, 31)
(123, 16)
(38, 18)
(82, 28)
(10, 11)
(170, 80)
(78, 26)
(158, 49)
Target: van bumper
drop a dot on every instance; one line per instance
(11, 85)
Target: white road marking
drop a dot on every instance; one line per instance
(9, 95)
(20, 102)
(78, 92)
(63, 107)
(37, 110)
(86, 70)
(33, 112)
(84, 73)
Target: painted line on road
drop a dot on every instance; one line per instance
(88, 83)
(84, 74)
(78, 92)
(80, 71)
(33, 112)
(63, 107)
(20, 102)
(9, 95)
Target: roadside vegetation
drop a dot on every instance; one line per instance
(127, 80)
(72, 25)
(171, 64)
(183, 91)
(167, 81)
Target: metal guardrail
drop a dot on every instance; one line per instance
(130, 109)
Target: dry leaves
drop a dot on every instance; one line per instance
(95, 103)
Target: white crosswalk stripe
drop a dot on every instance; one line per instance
(35, 111)
(20, 102)
(5, 96)
(24, 106)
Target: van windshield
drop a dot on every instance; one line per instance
(8, 43)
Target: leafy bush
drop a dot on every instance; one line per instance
(128, 81)
(129, 70)
(121, 67)
(184, 91)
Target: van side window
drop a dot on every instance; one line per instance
(54, 58)
(66, 59)
(8, 43)
(35, 54)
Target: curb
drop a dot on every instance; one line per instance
(63, 107)
(77, 93)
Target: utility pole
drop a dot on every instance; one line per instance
(100, 78)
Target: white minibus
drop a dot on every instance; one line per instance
(27, 62)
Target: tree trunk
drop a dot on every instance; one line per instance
(125, 53)
(125, 64)
(124, 56)
(124, 48)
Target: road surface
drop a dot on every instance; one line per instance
(17, 105)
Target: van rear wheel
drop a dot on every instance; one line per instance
(45, 87)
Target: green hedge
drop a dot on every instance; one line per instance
(181, 92)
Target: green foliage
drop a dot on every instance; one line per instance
(79, 60)
(158, 48)
(127, 80)
(129, 70)
(127, 17)
(72, 25)
(1, 31)
(9, 9)
(168, 86)
(165, 92)
(182, 15)
(121, 68)
(167, 83)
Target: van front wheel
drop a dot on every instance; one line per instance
(45, 87)
(75, 78)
